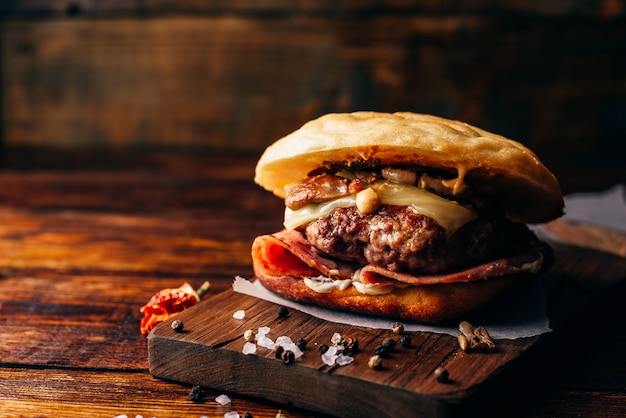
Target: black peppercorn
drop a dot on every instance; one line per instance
(389, 343)
(405, 341)
(195, 395)
(382, 351)
(288, 357)
(301, 344)
(247, 415)
(441, 374)
(177, 325)
(323, 348)
(279, 351)
(283, 312)
(351, 346)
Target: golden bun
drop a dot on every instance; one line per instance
(529, 192)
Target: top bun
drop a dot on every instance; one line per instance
(529, 192)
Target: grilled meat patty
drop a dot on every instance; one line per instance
(398, 238)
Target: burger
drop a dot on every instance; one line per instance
(402, 215)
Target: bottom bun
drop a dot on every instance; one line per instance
(429, 304)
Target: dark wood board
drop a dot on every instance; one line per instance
(209, 352)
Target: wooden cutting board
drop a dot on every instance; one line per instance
(209, 351)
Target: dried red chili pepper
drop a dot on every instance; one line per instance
(168, 302)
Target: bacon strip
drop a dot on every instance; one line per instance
(527, 262)
(287, 253)
(303, 257)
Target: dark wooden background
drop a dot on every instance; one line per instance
(88, 236)
(192, 74)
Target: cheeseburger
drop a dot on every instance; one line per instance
(402, 215)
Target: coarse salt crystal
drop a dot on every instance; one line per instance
(222, 399)
(264, 341)
(263, 330)
(288, 345)
(283, 340)
(231, 414)
(330, 356)
(240, 314)
(249, 348)
(343, 360)
(335, 338)
(334, 355)
(328, 360)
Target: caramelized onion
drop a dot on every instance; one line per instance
(398, 175)
(442, 187)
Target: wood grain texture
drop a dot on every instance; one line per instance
(112, 7)
(210, 352)
(69, 307)
(605, 9)
(85, 393)
(220, 75)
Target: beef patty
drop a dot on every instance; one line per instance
(400, 239)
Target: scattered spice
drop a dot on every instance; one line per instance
(248, 335)
(168, 302)
(262, 339)
(351, 346)
(301, 344)
(398, 328)
(389, 343)
(441, 374)
(195, 394)
(348, 346)
(249, 348)
(406, 341)
(289, 345)
(322, 348)
(474, 338)
(288, 357)
(375, 362)
(222, 399)
(178, 325)
(382, 351)
(247, 415)
(283, 311)
(278, 353)
(337, 354)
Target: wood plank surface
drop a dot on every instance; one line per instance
(53, 392)
(209, 353)
(69, 309)
(219, 75)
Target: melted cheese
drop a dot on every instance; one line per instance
(457, 184)
(449, 214)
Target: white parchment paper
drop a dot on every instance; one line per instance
(523, 317)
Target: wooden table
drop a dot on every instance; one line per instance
(87, 239)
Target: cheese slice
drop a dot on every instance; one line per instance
(449, 214)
